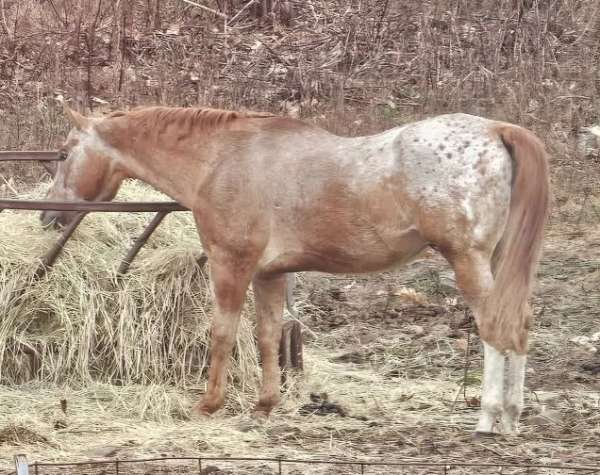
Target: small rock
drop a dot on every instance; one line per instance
(60, 424)
(201, 445)
(593, 368)
(416, 330)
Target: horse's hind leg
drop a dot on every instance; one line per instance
(513, 398)
(269, 295)
(492, 389)
(474, 278)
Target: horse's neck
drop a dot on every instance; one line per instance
(168, 174)
(173, 172)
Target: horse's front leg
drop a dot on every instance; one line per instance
(269, 295)
(229, 278)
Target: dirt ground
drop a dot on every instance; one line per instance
(385, 380)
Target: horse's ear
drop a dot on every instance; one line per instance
(77, 120)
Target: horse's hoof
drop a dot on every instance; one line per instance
(199, 412)
(206, 409)
(260, 415)
(196, 415)
(262, 411)
(264, 406)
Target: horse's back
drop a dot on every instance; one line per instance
(350, 204)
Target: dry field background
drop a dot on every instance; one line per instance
(385, 355)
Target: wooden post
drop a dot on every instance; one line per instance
(21, 465)
(296, 346)
(290, 349)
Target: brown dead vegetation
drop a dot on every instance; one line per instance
(389, 349)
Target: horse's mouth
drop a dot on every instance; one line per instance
(52, 220)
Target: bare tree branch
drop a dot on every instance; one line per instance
(205, 8)
(5, 23)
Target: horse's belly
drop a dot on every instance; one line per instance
(368, 251)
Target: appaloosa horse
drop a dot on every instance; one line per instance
(274, 195)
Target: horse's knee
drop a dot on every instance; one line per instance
(223, 333)
(229, 277)
(229, 293)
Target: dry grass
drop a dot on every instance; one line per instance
(413, 417)
(82, 324)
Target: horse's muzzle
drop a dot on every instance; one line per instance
(55, 219)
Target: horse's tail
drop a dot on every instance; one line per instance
(507, 312)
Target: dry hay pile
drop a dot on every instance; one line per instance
(81, 323)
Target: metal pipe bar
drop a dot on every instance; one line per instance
(375, 463)
(49, 259)
(50, 167)
(140, 241)
(87, 206)
(30, 156)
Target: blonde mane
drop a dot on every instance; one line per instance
(200, 119)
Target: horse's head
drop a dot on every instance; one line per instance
(88, 171)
